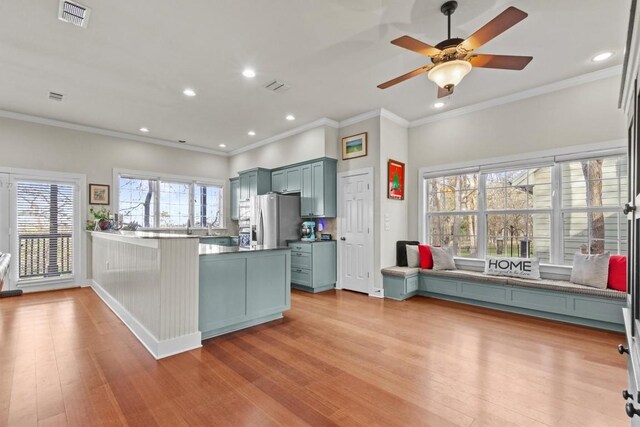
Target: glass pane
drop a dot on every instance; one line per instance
(174, 204)
(207, 205)
(519, 189)
(453, 193)
(594, 233)
(519, 235)
(456, 233)
(594, 183)
(137, 201)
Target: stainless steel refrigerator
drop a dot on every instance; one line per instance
(275, 218)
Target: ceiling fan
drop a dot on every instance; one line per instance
(453, 58)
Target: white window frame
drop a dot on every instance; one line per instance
(161, 177)
(524, 160)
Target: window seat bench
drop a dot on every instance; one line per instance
(550, 299)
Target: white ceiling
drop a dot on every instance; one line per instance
(129, 67)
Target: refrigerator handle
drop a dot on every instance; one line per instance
(260, 237)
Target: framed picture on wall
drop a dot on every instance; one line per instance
(395, 180)
(98, 194)
(354, 146)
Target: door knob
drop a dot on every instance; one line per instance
(628, 208)
(631, 410)
(622, 349)
(626, 395)
(342, 238)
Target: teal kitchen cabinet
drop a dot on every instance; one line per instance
(234, 190)
(217, 240)
(286, 180)
(318, 189)
(313, 265)
(254, 182)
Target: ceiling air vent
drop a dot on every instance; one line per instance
(73, 13)
(276, 86)
(55, 96)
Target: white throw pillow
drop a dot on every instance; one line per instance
(413, 256)
(525, 268)
(442, 260)
(591, 270)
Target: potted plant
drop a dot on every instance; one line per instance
(101, 217)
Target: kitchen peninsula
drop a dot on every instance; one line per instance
(173, 291)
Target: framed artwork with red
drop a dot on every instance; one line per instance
(395, 180)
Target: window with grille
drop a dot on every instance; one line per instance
(169, 203)
(45, 219)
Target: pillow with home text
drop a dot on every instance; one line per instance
(525, 268)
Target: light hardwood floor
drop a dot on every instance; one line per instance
(338, 358)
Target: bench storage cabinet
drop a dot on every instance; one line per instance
(550, 299)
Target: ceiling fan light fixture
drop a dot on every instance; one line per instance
(449, 74)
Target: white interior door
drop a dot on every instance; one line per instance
(356, 222)
(5, 222)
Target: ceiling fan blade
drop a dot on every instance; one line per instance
(404, 77)
(415, 45)
(505, 62)
(501, 23)
(444, 92)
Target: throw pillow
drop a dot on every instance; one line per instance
(413, 258)
(442, 260)
(525, 268)
(401, 251)
(426, 259)
(617, 273)
(591, 270)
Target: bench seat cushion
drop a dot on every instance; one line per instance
(564, 286)
(466, 275)
(400, 271)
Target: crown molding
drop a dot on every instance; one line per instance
(106, 132)
(359, 118)
(529, 93)
(394, 118)
(320, 122)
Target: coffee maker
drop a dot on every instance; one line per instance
(308, 231)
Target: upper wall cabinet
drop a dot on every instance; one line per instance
(318, 189)
(286, 180)
(254, 182)
(234, 190)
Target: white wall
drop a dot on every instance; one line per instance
(394, 144)
(301, 147)
(372, 160)
(575, 116)
(34, 146)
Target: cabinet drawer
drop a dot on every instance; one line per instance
(300, 247)
(300, 260)
(301, 276)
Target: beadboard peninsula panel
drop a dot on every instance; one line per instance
(152, 285)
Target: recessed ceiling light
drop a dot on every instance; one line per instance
(249, 73)
(290, 117)
(145, 130)
(189, 92)
(438, 105)
(251, 133)
(222, 145)
(602, 56)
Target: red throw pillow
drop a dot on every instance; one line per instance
(618, 273)
(426, 260)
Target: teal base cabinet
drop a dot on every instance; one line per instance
(243, 289)
(217, 240)
(313, 265)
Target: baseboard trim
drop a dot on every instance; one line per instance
(158, 349)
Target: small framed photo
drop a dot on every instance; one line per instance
(354, 146)
(395, 180)
(98, 194)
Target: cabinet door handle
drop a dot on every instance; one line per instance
(626, 395)
(631, 410)
(298, 271)
(628, 208)
(299, 254)
(622, 349)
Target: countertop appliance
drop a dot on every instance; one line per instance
(275, 218)
(308, 231)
